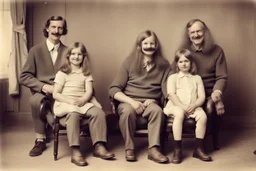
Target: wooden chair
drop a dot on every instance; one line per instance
(59, 129)
(58, 125)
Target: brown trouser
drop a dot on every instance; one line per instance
(97, 125)
(35, 102)
(153, 113)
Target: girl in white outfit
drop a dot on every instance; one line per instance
(186, 95)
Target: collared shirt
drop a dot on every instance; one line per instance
(53, 49)
(186, 86)
(147, 64)
(195, 49)
(74, 84)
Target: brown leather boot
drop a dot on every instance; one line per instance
(199, 152)
(177, 154)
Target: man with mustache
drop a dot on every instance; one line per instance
(138, 87)
(38, 73)
(212, 67)
(210, 60)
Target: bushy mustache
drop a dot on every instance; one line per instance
(149, 49)
(197, 37)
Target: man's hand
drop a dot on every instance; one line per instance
(149, 101)
(47, 89)
(138, 107)
(216, 96)
(220, 108)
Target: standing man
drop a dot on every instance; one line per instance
(139, 86)
(38, 73)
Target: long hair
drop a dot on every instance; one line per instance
(189, 56)
(55, 18)
(66, 67)
(137, 53)
(208, 42)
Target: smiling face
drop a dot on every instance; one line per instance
(148, 46)
(55, 30)
(76, 57)
(196, 34)
(184, 64)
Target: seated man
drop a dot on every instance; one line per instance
(139, 86)
(211, 66)
(38, 73)
(210, 61)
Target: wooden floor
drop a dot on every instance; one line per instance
(236, 153)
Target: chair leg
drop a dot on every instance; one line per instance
(215, 132)
(215, 141)
(56, 140)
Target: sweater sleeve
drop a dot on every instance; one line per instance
(221, 72)
(120, 81)
(167, 72)
(28, 74)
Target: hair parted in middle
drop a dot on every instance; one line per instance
(189, 56)
(137, 53)
(66, 67)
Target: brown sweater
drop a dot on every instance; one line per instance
(147, 85)
(39, 69)
(212, 67)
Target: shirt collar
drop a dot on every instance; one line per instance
(181, 75)
(195, 49)
(147, 62)
(77, 71)
(50, 45)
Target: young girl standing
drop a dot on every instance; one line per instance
(186, 96)
(73, 92)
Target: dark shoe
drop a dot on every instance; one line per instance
(79, 161)
(101, 152)
(254, 152)
(130, 155)
(38, 148)
(155, 155)
(177, 156)
(198, 153)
